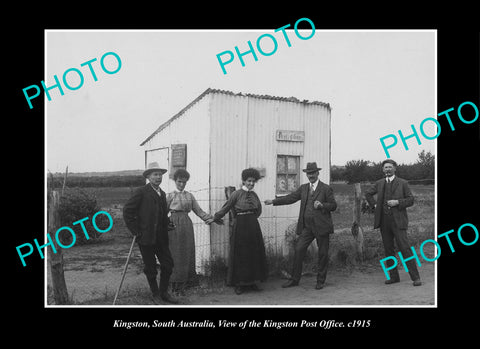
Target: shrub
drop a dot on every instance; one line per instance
(367, 171)
(217, 270)
(76, 204)
(337, 173)
(97, 181)
(355, 171)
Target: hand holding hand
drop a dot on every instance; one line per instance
(219, 221)
(209, 221)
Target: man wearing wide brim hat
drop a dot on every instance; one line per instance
(311, 167)
(152, 167)
(145, 215)
(314, 222)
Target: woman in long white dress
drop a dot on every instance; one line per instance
(182, 240)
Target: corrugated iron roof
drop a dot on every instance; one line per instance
(211, 90)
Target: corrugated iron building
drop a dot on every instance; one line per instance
(219, 134)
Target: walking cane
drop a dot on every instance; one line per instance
(124, 269)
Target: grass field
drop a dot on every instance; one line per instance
(421, 215)
(421, 222)
(92, 271)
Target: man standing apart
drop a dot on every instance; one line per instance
(314, 222)
(145, 215)
(393, 198)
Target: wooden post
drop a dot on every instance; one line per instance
(55, 260)
(65, 179)
(228, 193)
(357, 230)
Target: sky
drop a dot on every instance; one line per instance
(376, 82)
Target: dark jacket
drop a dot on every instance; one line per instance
(322, 218)
(400, 191)
(145, 215)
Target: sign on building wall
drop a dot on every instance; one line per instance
(290, 136)
(179, 157)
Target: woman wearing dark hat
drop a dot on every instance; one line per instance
(247, 263)
(182, 241)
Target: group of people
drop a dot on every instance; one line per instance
(164, 230)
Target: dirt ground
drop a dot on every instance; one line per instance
(93, 272)
(358, 285)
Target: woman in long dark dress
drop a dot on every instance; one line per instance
(247, 263)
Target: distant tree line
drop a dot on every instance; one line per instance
(354, 171)
(97, 181)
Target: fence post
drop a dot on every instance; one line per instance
(55, 260)
(357, 230)
(65, 179)
(228, 192)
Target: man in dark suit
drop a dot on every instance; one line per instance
(393, 198)
(145, 215)
(314, 222)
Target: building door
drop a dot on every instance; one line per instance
(160, 155)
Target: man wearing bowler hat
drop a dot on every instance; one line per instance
(145, 215)
(393, 198)
(314, 222)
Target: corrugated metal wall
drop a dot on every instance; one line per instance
(318, 133)
(228, 157)
(226, 133)
(243, 135)
(191, 128)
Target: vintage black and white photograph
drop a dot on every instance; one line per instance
(240, 168)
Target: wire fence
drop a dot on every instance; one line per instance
(93, 271)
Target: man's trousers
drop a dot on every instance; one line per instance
(162, 252)
(390, 232)
(304, 240)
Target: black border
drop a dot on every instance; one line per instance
(458, 81)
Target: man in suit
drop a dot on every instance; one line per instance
(314, 222)
(145, 215)
(393, 198)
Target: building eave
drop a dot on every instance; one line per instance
(210, 90)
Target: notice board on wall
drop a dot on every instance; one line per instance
(179, 158)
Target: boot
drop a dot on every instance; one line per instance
(163, 289)
(394, 277)
(152, 282)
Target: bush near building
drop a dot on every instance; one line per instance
(355, 171)
(98, 181)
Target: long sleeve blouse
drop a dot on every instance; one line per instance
(241, 201)
(185, 201)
